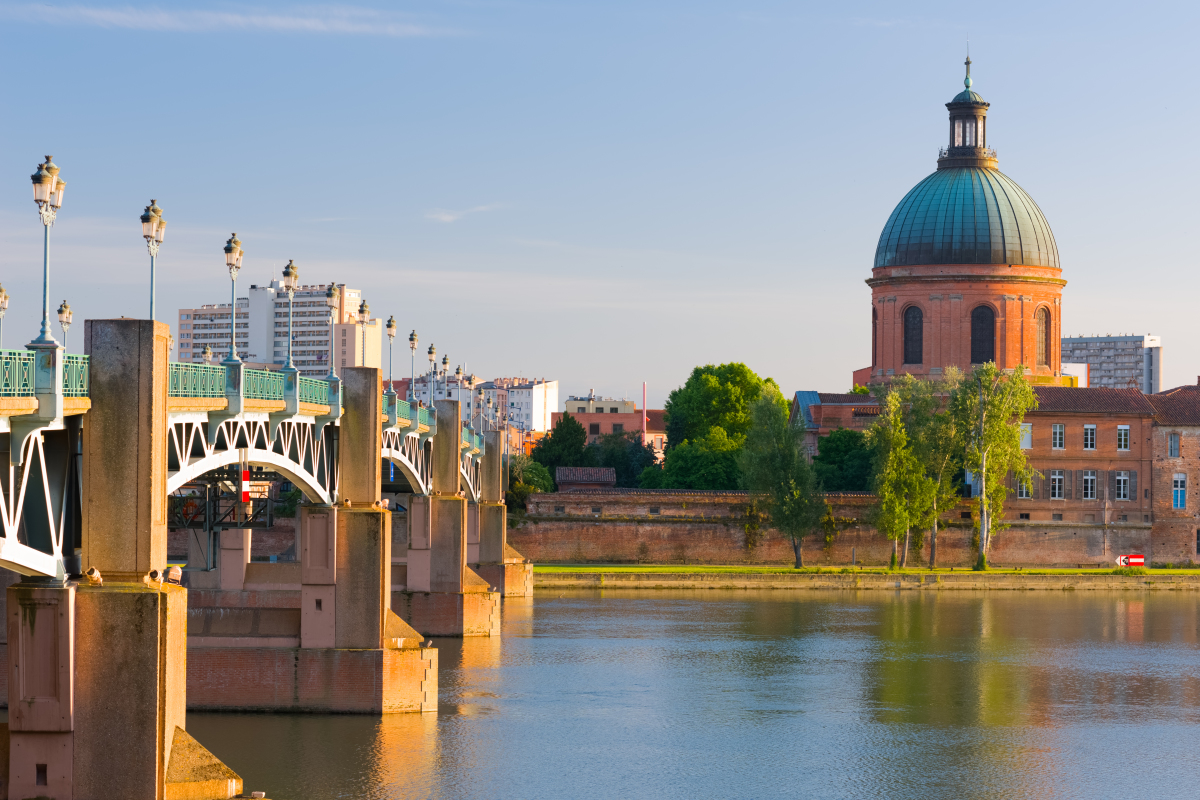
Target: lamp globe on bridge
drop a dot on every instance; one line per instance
(331, 302)
(3, 309)
(153, 229)
(391, 334)
(291, 279)
(207, 355)
(65, 316)
(364, 318)
(47, 194)
(233, 260)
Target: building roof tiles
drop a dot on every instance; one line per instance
(585, 475)
(1179, 406)
(1109, 401)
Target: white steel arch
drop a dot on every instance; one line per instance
(412, 453)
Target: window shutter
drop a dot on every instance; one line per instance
(1035, 487)
(1133, 490)
(1068, 484)
(1100, 486)
(1112, 484)
(1079, 483)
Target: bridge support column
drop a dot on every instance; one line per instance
(500, 565)
(453, 600)
(130, 633)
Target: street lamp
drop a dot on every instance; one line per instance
(445, 374)
(47, 193)
(233, 260)
(153, 229)
(391, 334)
(207, 354)
(458, 377)
(412, 349)
(364, 318)
(291, 279)
(64, 319)
(3, 308)
(331, 301)
(432, 372)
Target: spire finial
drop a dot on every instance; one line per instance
(967, 80)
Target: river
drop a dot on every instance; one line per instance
(731, 694)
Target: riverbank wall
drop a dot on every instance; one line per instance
(632, 526)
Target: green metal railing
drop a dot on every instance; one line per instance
(76, 378)
(313, 390)
(261, 384)
(423, 417)
(195, 380)
(473, 441)
(16, 373)
(403, 410)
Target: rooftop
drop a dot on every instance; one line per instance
(1111, 401)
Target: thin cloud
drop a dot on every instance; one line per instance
(445, 215)
(348, 20)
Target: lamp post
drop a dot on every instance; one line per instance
(233, 260)
(64, 319)
(458, 377)
(153, 229)
(170, 343)
(331, 301)
(3, 308)
(445, 374)
(364, 317)
(432, 371)
(391, 334)
(412, 378)
(47, 193)
(207, 354)
(291, 279)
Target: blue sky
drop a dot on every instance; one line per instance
(603, 193)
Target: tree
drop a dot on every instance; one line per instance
(625, 453)
(565, 446)
(860, 389)
(937, 442)
(538, 477)
(714, 397)
(776, 472)
(844, 462)
(989, 407)
(707, 463)
(904, 492)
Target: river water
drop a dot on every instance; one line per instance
(734, 694)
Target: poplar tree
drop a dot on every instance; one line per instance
(905, 494)
(989, 406)
(776, 472)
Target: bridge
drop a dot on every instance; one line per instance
(96, 445)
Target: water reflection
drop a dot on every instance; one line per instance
(820, 694)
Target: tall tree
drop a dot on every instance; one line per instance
(937, 441)
(776, 472)
(989, 406)
(843, 462)
(710, 462)
(714, 397)
(904, 492)
(565, 446)
(625, 453)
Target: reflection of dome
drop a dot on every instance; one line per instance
(967, 215)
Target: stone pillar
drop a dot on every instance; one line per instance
(318, 575)
(472, 533)
(505, 570)
(454, 601)
(234, 555)
(360, 441)
(130, 634)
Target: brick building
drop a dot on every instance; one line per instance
(604, 423)
(966, 270)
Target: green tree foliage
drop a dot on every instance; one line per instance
(523, 469)
(860, 389)
(565, 446)
(710, 462)
(714, 397)
(777, 473)
(904, 492)
(652, 477)
(989, 407)
(844, 462)
(937, 442)
(626, 454)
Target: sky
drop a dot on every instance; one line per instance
(602, 193)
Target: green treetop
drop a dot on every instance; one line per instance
(715, 397)
(904, 492)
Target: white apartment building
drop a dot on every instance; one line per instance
(529, 402)
(591, 404)
(262, 329)
(1117, 362)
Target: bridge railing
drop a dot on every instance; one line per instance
(472, 440)
(423, 417)
(195, 380)
(76, 376)
(314, 391)
(16, 373)
(261, 384)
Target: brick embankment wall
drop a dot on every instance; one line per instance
(854, 580)
(277, 540)
(709, 528)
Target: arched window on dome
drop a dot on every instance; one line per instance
(874, 338)
(914, 338)
(983, 335)
(1043, 337)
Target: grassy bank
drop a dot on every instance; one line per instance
(737, 569)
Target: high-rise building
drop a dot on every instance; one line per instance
(262, 329)
(1118, 362)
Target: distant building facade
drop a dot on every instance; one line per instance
(591, 404)
(1118, 362)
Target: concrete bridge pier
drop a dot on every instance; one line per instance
(443, 596)
(501, 566)
(97, 687)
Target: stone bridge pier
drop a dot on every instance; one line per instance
(497, 563)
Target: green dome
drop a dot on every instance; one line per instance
(966, 96)
(967, 215)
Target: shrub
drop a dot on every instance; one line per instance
(1130, 571)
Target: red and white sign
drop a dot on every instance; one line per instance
(246, 486)
(1131, 560)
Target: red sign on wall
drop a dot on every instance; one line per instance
(245, 486)
(1131, 560)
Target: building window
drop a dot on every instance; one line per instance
(1043, 337)
(1089, 484)
(560, 509)
(618, 427)
(1058, 436)
(1026, 435)
(1056, 517)
(1173, 445)
(1122, 485)
(655, 510)
(1056, 484)
(594, 429)
(1023, 492)
(1179, 491)
(579, 409)
(913, 335)
(958, 139)
(1122, 437)
(1089, 437)
(595, 509)
(1025, 516)
(983, 335)
(599, 409)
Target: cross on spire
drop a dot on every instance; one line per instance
(967, 81)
